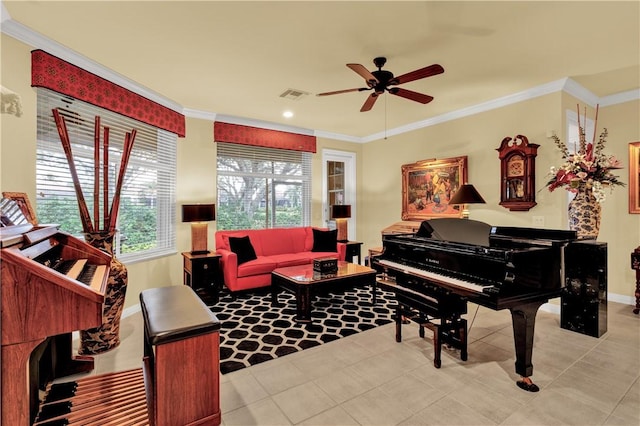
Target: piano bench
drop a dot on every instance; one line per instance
(450, 331)
(181, 365)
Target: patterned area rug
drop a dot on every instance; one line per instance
(252, 331)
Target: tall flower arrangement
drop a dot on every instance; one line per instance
(588, 168)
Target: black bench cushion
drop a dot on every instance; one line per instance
(175, 313)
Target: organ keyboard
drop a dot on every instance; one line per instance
(452, 260)
(41, 306)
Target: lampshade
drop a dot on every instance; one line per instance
(198, 212)
(467, 194)
(341, 211)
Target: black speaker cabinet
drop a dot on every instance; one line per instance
(584, 298)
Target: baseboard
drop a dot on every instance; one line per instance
(131, 310)
(554, 308)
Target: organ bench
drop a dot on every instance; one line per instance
(181, 358)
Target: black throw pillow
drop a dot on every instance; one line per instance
(325, 240)
(243, 248)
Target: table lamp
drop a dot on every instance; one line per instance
(341, 212)
(199, 215)
(467, 194)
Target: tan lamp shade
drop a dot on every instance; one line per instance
(340, 213)
(199, 215)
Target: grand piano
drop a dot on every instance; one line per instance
(448, 262)
(52, 284)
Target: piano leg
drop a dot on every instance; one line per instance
(524, 319)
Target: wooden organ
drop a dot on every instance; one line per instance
(178, 384)
(52, 284)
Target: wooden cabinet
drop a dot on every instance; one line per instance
(202, 272)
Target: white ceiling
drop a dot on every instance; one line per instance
(236, 58)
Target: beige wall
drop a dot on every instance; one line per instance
(477, 137)
(378, 171)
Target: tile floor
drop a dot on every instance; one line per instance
(369, 379)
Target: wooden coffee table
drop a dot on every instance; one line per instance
(303, 282)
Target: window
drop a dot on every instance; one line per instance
(262, 187)
(146, 218)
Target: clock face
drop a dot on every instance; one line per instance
(515, 167)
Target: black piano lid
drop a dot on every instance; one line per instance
(554, 235)
(456, 230)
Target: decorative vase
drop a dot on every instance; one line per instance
(584, 214)
(107, 336)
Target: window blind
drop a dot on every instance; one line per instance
(262, 187)
(146, 219)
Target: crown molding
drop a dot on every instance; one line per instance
(576, 90)
(4, 13)
(503, 101)
(620, 98)
(38, 41)
(338, 136)
(567, 85)
(202, 115)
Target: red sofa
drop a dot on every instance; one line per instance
(274, 248)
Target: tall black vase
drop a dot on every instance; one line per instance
(107, 336)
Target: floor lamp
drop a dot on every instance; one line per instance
(467, 194)
(341, 212)
(199, 215)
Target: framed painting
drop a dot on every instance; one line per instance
(634, 177)
(428, 185)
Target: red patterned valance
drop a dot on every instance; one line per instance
(55, 74)
(246, 135)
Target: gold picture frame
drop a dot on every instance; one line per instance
(428, 185)
(634, 177)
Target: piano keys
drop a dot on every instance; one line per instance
(497, 267)
(41, 306)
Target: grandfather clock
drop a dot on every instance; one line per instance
(517, 173)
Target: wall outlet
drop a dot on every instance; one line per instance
(538, 221)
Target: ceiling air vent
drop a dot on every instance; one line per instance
(293, 94)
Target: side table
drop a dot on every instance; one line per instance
(353, 249)
(202, 271)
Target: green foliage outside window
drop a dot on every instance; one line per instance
(138, 222)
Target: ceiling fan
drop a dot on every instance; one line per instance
(380, 80)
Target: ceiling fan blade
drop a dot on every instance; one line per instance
(368, 104)
(337, 92)
(411, 95)
(429, 71)
(364, 73)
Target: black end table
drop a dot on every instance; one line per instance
(202, 272)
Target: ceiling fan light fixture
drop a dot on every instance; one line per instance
(379, 81)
